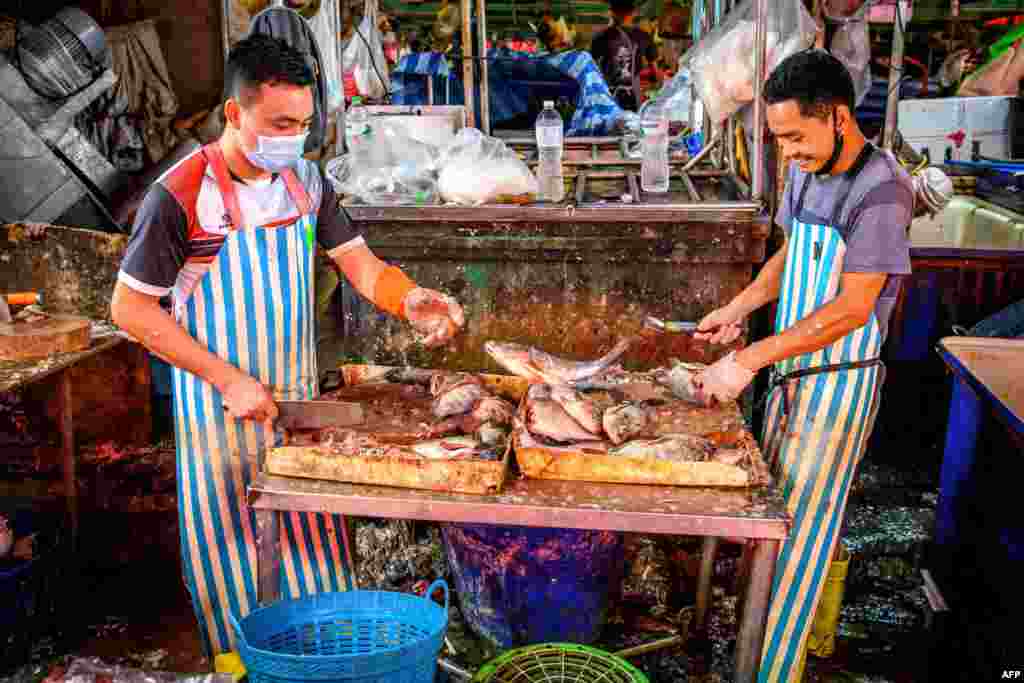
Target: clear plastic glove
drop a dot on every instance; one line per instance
(246, 398)
(435, 317)
(720, 326)
(724, 380)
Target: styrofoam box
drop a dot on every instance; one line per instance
(933, 124)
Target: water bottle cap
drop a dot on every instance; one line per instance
(548, 104)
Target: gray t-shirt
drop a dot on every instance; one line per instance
(877, 207)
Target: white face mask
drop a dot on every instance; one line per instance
(277, 153)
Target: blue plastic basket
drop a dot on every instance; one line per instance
(356, 637)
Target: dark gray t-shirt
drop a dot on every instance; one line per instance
(878, 206)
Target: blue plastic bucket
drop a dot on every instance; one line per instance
(352, 637)
(524, 585)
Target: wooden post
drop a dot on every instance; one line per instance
(467, 62)
(67, 449)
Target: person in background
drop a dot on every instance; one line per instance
(230, 232)
(845, 213)
(622, 51)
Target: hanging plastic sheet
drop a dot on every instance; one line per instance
(722, 63)
(364, 55)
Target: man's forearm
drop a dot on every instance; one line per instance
(142, 317)
(827, 324)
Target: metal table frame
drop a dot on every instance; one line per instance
(758, 515)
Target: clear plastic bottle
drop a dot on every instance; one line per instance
(654, 172)
(549, 154)
(357, 124)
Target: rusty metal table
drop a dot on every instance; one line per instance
(758, 515)
(18, 374)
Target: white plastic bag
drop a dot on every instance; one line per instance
(476, 169)
(364, 55)
(851, 45)
(722, 63)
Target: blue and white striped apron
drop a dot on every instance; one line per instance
(254, 309)
(817, 424)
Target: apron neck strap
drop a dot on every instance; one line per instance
(219, 166)
(215, 157)
(297, 191)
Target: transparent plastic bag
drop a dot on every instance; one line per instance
(92, 670)
(394, 170)
(364, 55)
(851, 45)
(722, 63)
(476, 169)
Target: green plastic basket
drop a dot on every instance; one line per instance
(558, 663)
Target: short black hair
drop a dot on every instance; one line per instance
(622, 6)
(815, 79)
(259, 59)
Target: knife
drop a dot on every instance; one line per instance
(299, 415)
(670, 326)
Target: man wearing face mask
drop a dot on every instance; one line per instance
(845, 214)
(230, 233)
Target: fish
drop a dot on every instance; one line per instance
(679, 379)
(493, 409)
(624, 421)
(730, 456)
(450, 447)
(546, 418)
(457, 398)
(515, 358)
(443, 381)
(490, 434)
(410, 375)
(538, 366)
(674, 447)
(582, 409)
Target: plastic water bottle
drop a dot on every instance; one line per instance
(357, 125)
(549, 153)
(654, 130)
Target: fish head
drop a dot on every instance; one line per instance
(513, 357)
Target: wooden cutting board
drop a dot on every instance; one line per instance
(43, 338)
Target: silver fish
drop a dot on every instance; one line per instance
(563, 371)
(495, 410)
(546, 418)
(443, 381)
(680, 380)
(410, 375)
(674, 447)
(624, 421)
(458, 398)
(582, 409)
(515, 358)
(537, 366)
(492, 435)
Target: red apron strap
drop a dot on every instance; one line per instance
(298, 192)
(215, 157)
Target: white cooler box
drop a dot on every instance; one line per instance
(956, 123)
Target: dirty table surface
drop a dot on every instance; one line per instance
(749, 513)
(16, 374)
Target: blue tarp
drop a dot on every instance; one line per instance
(574, 73)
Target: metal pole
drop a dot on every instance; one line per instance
(467, 63)
(895, 73)
(481, 32)
(760, 40)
